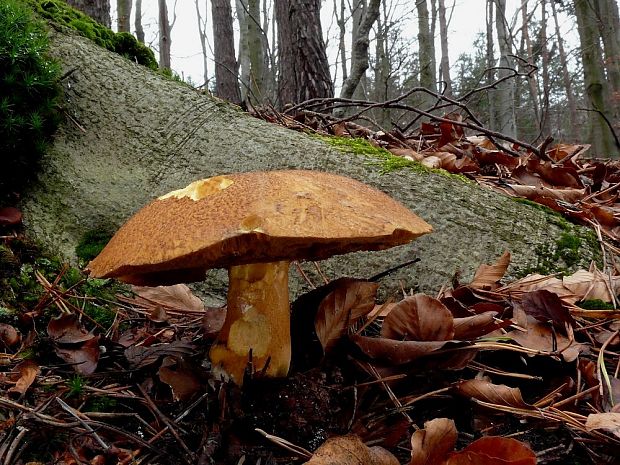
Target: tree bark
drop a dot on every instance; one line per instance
(255, 48)
(609, 27)
(99, 10)
(123, 12)
(243, 57)
(304, 69)
(202, 35)
(426, 52)
(490, 62)
(226, 67)
(165, 40)
(532, 79)
(600, 135)
(359, 53)
(138, 21)
(506, 116)
(445, 58)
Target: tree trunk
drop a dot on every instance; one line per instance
(506, 116)
(304, 69)
(342, 30)
(445, 58)
(226, 67)
(566, 80)
(164, 36)
(532, 78)
(123, 12)
(243, 59)
(546, 82)
(426, 53)
(138, 21)
(99, 10)
(600, 136)
(202, 35)
(359, 53)
(141, 136)
(255, 48)
(490, 62)
(609, 27)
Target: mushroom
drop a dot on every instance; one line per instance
(253, 224)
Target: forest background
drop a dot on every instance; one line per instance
(532, 70)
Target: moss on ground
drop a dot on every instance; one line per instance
(122, 43)
(91, 243)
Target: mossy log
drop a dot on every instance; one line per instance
(131, 135)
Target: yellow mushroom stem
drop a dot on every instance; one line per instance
(257, 320)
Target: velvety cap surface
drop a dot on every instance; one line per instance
(253, 217)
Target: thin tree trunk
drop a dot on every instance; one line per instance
(164, 36)
(123, 12)
(490, 61)
(342, 30)
(591, 55)
(99, 10)
(202, 34)
(566, 79)
(546, 83)
(255, 47)
(426, 52)
(505, 103)
(138, 21)
(531, 80)
(244, 51)
(609, 27)
(226, 84)
(445, 59)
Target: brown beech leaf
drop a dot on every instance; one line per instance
(592, 285)
(488, 276)
(83, 358)
(140, 356)
(177, 297)
(9, 336)
(392, 352)
(478, 325)
(350, 450)
(547, 306)
(608, 421)
(351, 300)
(418, 318)
(486, 391)
(407, 153)
(213, 320)
(493, 450)
(66, 329)
(431, 445)
(28, 371)
(180, 377)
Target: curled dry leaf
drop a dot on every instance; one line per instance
(66, 329)
(486, 391)
(547, 306)
(28, 371)
(83, 358)
(493, 450)
(180, 377)
(177, 297)
(474, 326)
(350, 450)
(418, 318)
(591, 285)
(431, 445)
(9, 337)
(349, 301)
(392, 352)
(140, 356)
(606, 421)
(488, 276)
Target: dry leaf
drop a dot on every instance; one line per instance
(591, 285)
(606, 421)
(83, 358)
(488, 276)
(392, 352)
(546, 306)
(66, 329)
(350, 450)
(351, 300)
(492, 393)
(492, 450)
(474, 326)
(431, 445)
(28, 371)
(178, 297)
(9, 336)
(181, 378)
(140, 356)
(418, 318)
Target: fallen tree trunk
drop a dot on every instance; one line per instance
(131, 135)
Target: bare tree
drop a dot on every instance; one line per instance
(426, 52)
(527, 42)
(359, 54)
(202, 34)
(304, 69)
(226, 67)
(445, 59)
(99, 10)
(138, 21)
(506, 116)
(123, 13)
(165, 29)
(243, 57)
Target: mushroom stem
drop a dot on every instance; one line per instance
(257, 319)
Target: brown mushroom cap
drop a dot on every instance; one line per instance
(253, 217)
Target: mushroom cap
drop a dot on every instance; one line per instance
(253, 217)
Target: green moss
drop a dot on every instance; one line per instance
(383, 158)
(100, 404)
(91, 244)
(595, 304)
(76, 386)
(122, 43)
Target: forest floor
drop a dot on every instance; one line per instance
(92, 371)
